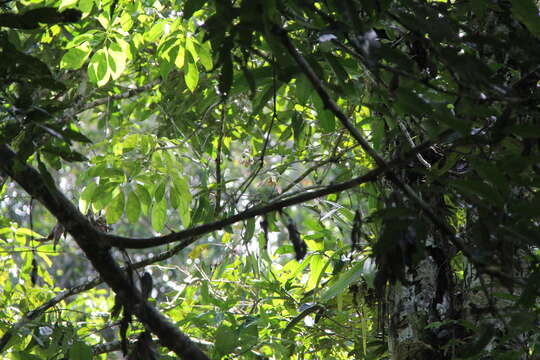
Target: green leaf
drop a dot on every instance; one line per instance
(144, 198)
(325, 117)
(346, 279)
(205, 55)
(116, 60)
(249, 230)
(316, 267)
(103, 195)
(226, 340)
(191, 6)
(527, 12)
(303, 89)
(28, 233)
(86, 197)
(155, 32)
(180, 52)
(98, 69)
(74, 58)
(80, 351)
(66, 3)
(133, 207)
(159, 192)
(190, 47)
(72, 134)
(23, 355)
(65, 153)
(159, 215)
(126, 22)
(410, 103)
(181, 186)
(115, 210)
(191, 75)
(174, 198)
(85, 5)
(103, 19)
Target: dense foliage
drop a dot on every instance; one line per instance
(269, 179)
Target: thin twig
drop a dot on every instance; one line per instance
(411, 143)
(126, 94)
(314, 167)
(426, 83)
(219, 182)
(245, 185)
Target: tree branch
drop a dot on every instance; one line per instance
(126, 94)
(219, 181)
(96, 249)
(187, 235)
(33, 314)
(330, 104)
(78, 225)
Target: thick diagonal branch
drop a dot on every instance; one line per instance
(98, 252)
(37, 312)
(330, 104)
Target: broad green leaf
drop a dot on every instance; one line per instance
(66, 3)
(346, 279)
(180, 52)
(103, 195)
(103, 20)
(408, 101)
(181, 185)
(526, 11)
(155, 32)
(126, 22)
(226, 340)
(325, 117)
(133, 207)
(116, 59)
(125, 46)
(82, 38)
(80, 351)
(159, 192)
(23, 355)
(249, 333)
(115, 210)
(191, 75)
(73, 133)
(174, 198)
(45, 258)
(86, 197)
(28, 233)
(166, 48)
(74, 58)
(144, 198)
(159, 215)
(98, 69)
(205, 55)
(249, 230)
(85, 5)
(316, 266)
(190, 47)
(303, 89)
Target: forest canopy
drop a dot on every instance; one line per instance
(270, 179)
